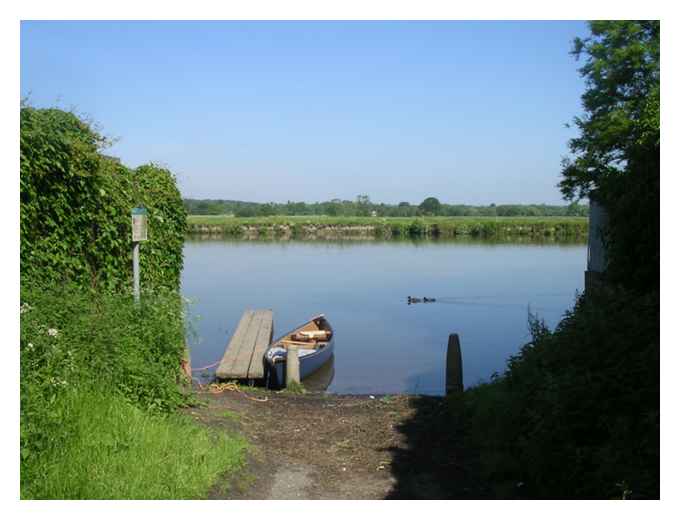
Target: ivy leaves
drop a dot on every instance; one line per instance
(75, 209)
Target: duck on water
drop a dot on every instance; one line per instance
(414, 300)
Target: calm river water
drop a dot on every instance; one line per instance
(484, 292)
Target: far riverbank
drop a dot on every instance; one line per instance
(324, 227)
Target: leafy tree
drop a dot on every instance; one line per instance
(363, 205)
(572, 209)
(332, 208)
(430, 206)
(621, 103)
(266, 210)
(245, 211)
(617, 152)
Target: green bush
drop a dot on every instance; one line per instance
(75, 209)
(417, 228)
(576, 413)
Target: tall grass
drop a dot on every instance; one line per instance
(100, 385)
(114, 450)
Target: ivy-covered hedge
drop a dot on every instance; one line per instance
(75, 209)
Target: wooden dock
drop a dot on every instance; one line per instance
(244, 355)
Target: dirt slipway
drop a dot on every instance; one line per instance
(322, 446)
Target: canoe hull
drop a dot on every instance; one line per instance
(308, 365)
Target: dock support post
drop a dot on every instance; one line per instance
(454, 366)
(292, 365)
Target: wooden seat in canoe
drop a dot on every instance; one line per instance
(314, 334)
(308, 344)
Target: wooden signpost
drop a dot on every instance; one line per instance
(139, 234)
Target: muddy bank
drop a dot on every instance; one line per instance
(319, 446)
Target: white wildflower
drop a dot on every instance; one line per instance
(52, 332)
(25, 307)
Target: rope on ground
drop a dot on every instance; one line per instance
(218, 388)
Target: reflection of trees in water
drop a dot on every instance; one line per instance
(373, 241)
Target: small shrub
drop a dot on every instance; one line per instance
(417, 228)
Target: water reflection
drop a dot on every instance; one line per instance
(416, 242)
(320, 380)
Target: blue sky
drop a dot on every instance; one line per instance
(469, 112)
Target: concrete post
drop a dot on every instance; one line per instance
(454, 366)
(597, 254)
(292, 365)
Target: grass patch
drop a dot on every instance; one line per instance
(116, 451)
(295, 388)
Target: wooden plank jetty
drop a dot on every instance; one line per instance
(244, 355)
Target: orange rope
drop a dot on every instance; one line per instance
(218, 388)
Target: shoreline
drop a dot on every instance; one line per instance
(370, 228)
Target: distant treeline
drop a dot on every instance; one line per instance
(364, 207)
